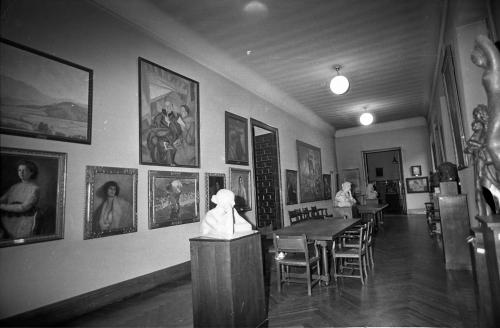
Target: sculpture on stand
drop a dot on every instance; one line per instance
(223, 221)
(484, 143)
(371, 193)
(344, 198)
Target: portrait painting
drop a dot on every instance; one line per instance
(213, 183)
(169, 111)
(241, 185)
(173, 198)
(42, 96)
(310, 172)
(236, 139)
(416, 170)
(111, 206)
(291, 187)
(417, 185)
(32, 189)
(327, 186)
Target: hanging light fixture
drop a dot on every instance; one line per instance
(366, 118)
(339, 83)
(395, 159)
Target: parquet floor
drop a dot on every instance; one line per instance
(409, 287)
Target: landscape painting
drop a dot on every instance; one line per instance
(43, 96)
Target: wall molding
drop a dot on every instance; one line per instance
(73, 307)
(382, 127)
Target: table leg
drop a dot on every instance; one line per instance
(325, 276)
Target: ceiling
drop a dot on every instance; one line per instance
(387, 48)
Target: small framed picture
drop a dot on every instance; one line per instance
(417, 185)
(327, 184)
(236, 139)
(416, 170)
(379, 171)
(291, 187)
(37, 179)
(213, 183)
(111, 207)
(173, 198)
(241, 185)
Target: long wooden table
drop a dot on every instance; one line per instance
(319, 230)
(376, 210)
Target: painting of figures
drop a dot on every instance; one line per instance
(310, 172)
(43, 96)
(169, 117)
(173, 198)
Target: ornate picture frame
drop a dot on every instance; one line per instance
(310, 172)
(291, 187)
(44, 220)
(43, 96)
(240, 183)
(173, 198)
(417, 185)
(416, 170)
(213, 183)
(169, 117)
(454, 108)
(111, 201)
(236, 139)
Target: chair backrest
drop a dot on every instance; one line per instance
(295, 216)
(305, 214)
(291, 244)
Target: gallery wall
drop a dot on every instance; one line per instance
(35, 275)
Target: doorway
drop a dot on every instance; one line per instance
(383, 168)
(266, 172)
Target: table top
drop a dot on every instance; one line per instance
(371, 208)
(326, 229)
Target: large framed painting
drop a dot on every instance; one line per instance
(417, 185)
(310, 172)
(291, 187)
(454, 108)
(173, 198)
(241, 184)
(236, 139)
(43, 96)
(327, 186)
(111, 205)
(32, 188)
(213, 183)
(169, 117)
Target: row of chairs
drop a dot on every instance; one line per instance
(352, 255)
(302, 214)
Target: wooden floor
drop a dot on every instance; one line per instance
(408, 287)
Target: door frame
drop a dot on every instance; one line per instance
(262, 125)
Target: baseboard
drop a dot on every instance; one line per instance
(68, 309)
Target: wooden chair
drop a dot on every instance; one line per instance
(306, 214)
(317, 213)
(295, 216)
(351, 256)
(433, 219)
(295, 253)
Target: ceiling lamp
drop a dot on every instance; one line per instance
(339, 83)
(366, 118)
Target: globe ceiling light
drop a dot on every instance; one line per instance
(339, 83)
(366, 118)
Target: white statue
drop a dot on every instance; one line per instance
(344, 198)
(223, 221)
(370, 191)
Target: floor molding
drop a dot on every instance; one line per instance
(62, 311)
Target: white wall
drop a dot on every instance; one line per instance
(39, 274)
(413, 141)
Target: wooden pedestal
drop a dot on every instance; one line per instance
(489, 288)
(455, 227)
(228, 282)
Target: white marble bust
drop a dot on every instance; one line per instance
(344, 198)
(370, 192)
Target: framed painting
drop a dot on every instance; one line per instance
(169, 117)
(310, 172)
(236, 139)
(111, 206)
(327, 186)
(37, 179)
(352, 175)
(213, 183)
(454, 108)
(417, 185)
(173, 198)
(43, 96)
(416, 170)
(241, 184)
(291, 187)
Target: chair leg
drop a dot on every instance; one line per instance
(361, 270)
(370, 250)
(278, 275)
(308, 276)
